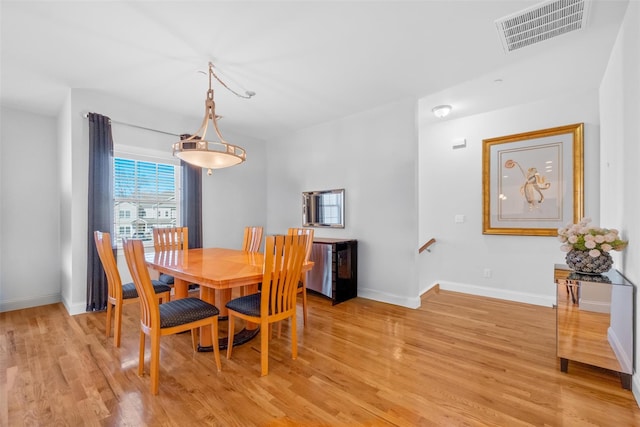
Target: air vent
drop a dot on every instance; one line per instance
(542, 22)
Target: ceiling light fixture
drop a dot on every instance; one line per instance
(196, 150)
(441, 111)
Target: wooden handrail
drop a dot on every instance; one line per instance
(426, 246)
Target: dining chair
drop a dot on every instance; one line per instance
(157, 320)
(119, 294)
(302, 285)
(283, 259)
(252, 239)
(251, 243)
(170, 239)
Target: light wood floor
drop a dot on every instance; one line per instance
(459, 360)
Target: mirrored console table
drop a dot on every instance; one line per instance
(595, 318)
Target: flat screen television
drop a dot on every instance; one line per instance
(323, 208)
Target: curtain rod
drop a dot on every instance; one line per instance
(86, 116)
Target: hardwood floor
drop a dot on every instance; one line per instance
(458, 360)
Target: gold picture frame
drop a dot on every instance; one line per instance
(532, 182)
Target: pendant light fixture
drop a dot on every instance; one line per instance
(199, 151)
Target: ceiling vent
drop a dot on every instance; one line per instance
(542, 22)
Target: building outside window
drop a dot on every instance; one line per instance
(145, 193)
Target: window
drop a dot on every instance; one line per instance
(143, 192)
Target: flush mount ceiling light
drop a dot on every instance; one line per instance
(198, 151)
(441, 111)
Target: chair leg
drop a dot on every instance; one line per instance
(108, 326)
(214, 341)
(164, 297)
(304, 305)
(141, 355)
(117, 328)
(194, 339)
(264, 348)
(155, 363)
(231, 332)
(294, 338)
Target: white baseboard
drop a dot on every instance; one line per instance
(19, 304)
(73, 309)
(524, 297)
(635, 388)
(389, 298)
(595, 306)
(527, 298)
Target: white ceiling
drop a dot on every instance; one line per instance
(308, 61)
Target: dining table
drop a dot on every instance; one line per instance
(218, 271)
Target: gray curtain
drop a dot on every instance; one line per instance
(191, 204)
(100, 212)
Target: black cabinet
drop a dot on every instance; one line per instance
(335, 270)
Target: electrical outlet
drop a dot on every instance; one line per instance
(487, 273)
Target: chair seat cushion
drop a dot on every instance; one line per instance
(248, 305)
(170, 280)
(166, 279)
(129, 290)
(160, 287)
(185, 310)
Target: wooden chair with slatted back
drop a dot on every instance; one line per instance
(252, 239)
(251, 243)
(170, 239)
(157, 320)
(119, 294)
(302, 286)
(283, 260)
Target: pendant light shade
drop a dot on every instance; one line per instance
(209, 154)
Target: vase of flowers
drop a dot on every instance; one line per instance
(588, 247)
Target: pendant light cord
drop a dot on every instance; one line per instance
(248, 94)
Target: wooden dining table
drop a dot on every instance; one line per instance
(218, 271)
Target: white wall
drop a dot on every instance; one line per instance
(372, 155)
(235, 197)
(29, 246)
(65, 201)
(619, 113)
(451, 184)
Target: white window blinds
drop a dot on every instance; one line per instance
(145, 197)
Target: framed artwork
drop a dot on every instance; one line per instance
(532, 182)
